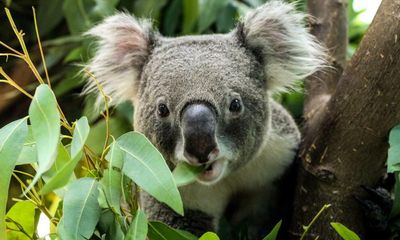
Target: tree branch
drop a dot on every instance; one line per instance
(329, 25)
(346, 147)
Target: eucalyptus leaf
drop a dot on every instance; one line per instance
(242, 8)
(76, 13)
(209, 11)
(226, 19)
(12, 138)
(344, 232)
(45, 122)
(148, 8)
(28, 153)
(63, 158)
(109, 226)
(81, 133)
(145, 165)
(111, 189)
(185, 174)
(138, 228)
(26, 221)
(209, 236)
(81, 208)
(393, 161)
(62, 177)
(172, 17)
(105, 8)
(62, 233)
(160, 231)
(273, 235)
(395, 212)
(115, 156)
(49, 10)
(190, 15)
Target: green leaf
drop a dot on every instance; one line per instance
(109, 225)
(185, 174)
(62, 233)
(226, 19)
(255, 3)
(160, 231)
(209, 236)
(49, 10)
(81, 133)
(115, 156)
(81, 208)
(145, 165)
(209, 11)
(396, 203)
(104, 8)
(172, 17)
(53, 182)
(74, 55)
(148, 8)
(190, 15)
(62, 177)
(242, 8)
(45, 122)
(69, 80)
(26, 220)
(273, 235)
(393, 162)
(28, 153)
(344, 232)
(77, 15)
(111, 189)
(12, 137)
(138, 228)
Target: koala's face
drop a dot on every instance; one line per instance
(205, 99)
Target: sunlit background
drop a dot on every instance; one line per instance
(368, 6)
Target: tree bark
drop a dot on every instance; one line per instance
(345, 146)
(329, 25)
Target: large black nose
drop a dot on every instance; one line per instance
(198, 128)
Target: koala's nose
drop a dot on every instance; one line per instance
(198, 128)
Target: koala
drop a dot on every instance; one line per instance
(207, 100)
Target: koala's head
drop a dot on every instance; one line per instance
(205, 99)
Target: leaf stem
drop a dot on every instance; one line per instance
(306, 228)
(40, 46)
(20, 37)
(106, 115)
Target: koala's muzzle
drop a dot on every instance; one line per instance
(198, 129)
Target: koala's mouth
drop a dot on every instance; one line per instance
(213, 172)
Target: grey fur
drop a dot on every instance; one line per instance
(266, 53)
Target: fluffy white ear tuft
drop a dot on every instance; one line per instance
(123, 48)
(275, 31)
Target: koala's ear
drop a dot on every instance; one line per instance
(275, 32)
(124, 45)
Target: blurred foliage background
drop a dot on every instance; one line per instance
(62, 22)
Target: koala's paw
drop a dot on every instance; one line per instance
(376, 206)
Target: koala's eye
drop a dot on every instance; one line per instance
(235, 105)
(162, 110)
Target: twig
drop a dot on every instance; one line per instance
(306, 228)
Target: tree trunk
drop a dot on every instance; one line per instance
(345, 144)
